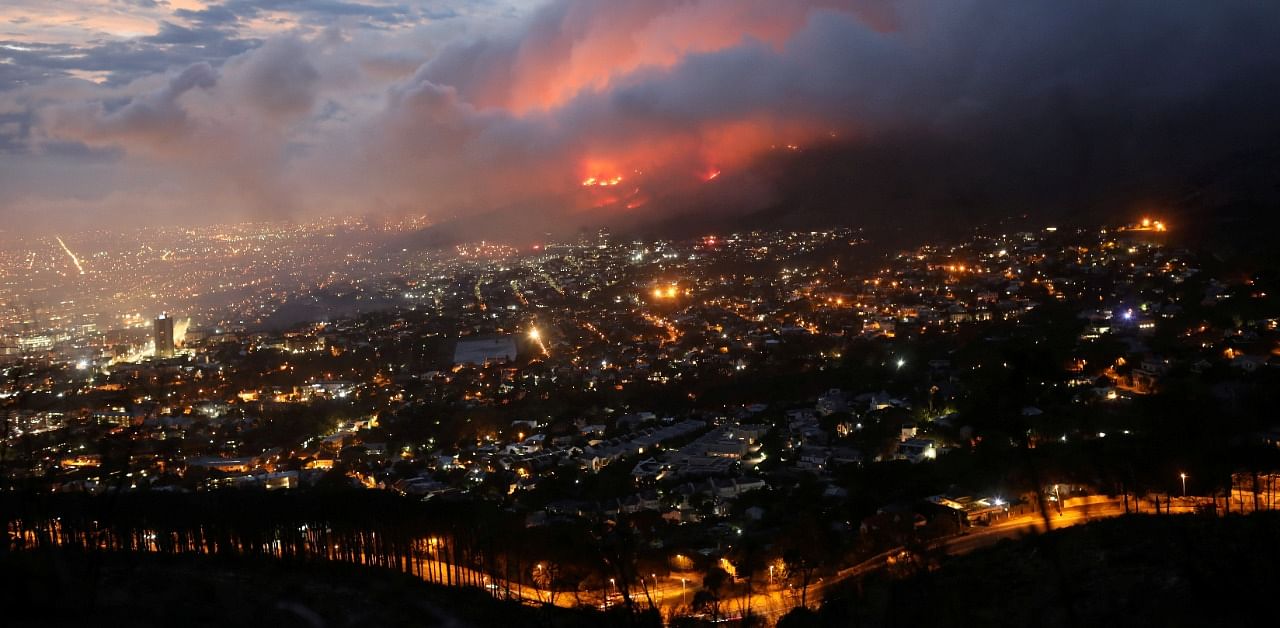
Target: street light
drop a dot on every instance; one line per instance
(1184, 483)
(770, 575)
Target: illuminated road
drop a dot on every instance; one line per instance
(74, 260)
(515, 289)
(480, 283)
(1016, 527)
(774, 601)
(777, 602)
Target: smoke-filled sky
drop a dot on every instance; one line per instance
(123, 112)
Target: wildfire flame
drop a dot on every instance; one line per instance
(1148, 224)
(601, 181)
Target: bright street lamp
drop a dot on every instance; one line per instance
(1184, 483)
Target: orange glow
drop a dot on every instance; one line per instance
(594, 44)
(674, 160)
(668, 292)
(1147, 224)
(601, 181)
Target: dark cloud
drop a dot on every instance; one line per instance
(15, 129)
(313, 12)
(213, 16)
(14, 75)
(153, 119)
(953, 109)
(279, 77)
(959, 111)
(211, 34)
(171, 33)
(120, 61)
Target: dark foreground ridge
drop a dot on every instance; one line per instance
(1133, 570)
(1136, 570)
(66, 588)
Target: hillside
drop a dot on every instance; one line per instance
(1137, 570)
(152, 590)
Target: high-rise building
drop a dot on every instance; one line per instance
(164, 336)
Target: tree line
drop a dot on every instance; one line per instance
(466, 544)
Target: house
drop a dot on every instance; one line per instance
(1145, 378)
(907, 431)
(845, 455)
(916, 450)
(648, 470)
(279, 480)
(831, 402)
(635, 420)
(813, 458)
(226, 465)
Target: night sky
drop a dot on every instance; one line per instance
(564, 112)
